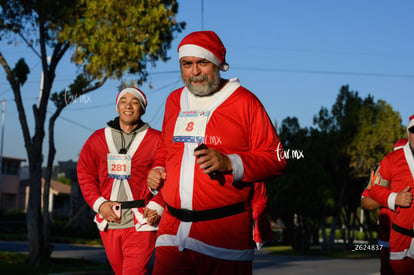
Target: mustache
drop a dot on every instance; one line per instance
(198, 78)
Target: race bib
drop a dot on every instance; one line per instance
(119, 166)
(190, 126)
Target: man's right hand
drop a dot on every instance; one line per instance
(105, 210)
(156, 177)
(404, 198)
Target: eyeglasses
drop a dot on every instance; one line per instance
(411, 130)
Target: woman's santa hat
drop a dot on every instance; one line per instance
(137, 93)
(204, 44)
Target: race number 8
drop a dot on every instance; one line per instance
(190, 127)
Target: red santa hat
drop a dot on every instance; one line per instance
(137, 93)
(204, 44)
(411, 122)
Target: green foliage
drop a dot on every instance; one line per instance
(364, 130)
(20, 72)
(64, 180)
(326, 184)
(26, 17)
(379, 128)
(112, 37)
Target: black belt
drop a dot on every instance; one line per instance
(402, 230)
(132, 204)
(186, 215)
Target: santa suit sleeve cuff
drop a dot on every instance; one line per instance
(158, 167)
(391, 201)
(155, 206)
(153, 191)
(98, 204)
(237, 166)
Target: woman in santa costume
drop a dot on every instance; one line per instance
(112, 171)
(219, 141)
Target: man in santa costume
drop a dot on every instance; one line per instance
(392, 187)
(112, 173)
(384, 218)
(219, 141)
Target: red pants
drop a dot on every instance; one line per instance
(168, 260)
(403, 267)
(128, 251)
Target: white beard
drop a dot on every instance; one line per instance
(204, 90)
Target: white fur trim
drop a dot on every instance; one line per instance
(153, 191)
(145, 227)
(409, 158)
(137, 93)
(410, 124)
(197, 51)
(155, 206)
(206, 249)
(237, 166)
(399, 255)
(110, 141)
(101, 225)
(391, 201)
(98, 204)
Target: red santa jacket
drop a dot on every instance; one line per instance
(94, 181)
(384, 222)
(396, 172)
(238, 126)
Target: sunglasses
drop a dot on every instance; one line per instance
(411, 130)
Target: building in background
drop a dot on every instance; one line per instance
(12, 193)
(14, 189)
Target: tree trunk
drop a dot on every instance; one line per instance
(34, 217)
(48, 178)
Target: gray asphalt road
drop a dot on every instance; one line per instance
(264, 264)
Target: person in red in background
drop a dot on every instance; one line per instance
(112, 173)
(262, 231)
(392, 188)
(384, 219)
(206, 227)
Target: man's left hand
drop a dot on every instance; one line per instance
(152, 216)
(212, 160)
